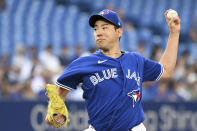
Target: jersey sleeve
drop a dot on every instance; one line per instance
(71, 76)
(152, 71)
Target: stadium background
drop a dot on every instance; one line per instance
(39, 38)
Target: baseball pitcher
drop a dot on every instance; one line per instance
(112, 79)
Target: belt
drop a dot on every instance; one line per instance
(139, 127)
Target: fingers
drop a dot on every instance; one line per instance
(174, 19)
(47, 121)
(177, 20)
(59, 118)
(165, 14)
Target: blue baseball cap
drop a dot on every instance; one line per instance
(107, 15)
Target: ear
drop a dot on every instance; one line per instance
(120, 31)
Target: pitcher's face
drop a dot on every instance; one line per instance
(106, 34)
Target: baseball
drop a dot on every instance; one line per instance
(171, 14)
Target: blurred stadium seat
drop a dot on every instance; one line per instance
(40, 22)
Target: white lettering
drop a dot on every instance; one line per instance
(114, 73)
(109, 74)
(94, 80)
(133, 76)
(98, 77)
(128, 75)
(168, 116)
(194, 121)
(36, 110)
(137, 78)
(151, 120)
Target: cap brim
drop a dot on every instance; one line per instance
(94, 18)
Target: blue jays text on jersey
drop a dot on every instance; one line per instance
(112, 87)
(112, 73)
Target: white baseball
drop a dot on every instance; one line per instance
(172, 14)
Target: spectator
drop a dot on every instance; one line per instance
(63, 57)
(33, 52)
(27, 92)
(181, 66)
(91, 50)
(194, 91)
(38, 81)
(193, 30)
(49, 60)
(5, 90)
(20, 65)
(142, 47)
(191, 75)
(77, 51)
(15, 91)
(156, 53)
(166, 92)
(2, 5)
(193, 36)
(183, 90)
(150, 91)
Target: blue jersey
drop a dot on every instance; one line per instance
(112, 87)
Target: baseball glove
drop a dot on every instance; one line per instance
(57, 113)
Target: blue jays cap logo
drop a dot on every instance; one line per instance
(135, 95)
(104, 12)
